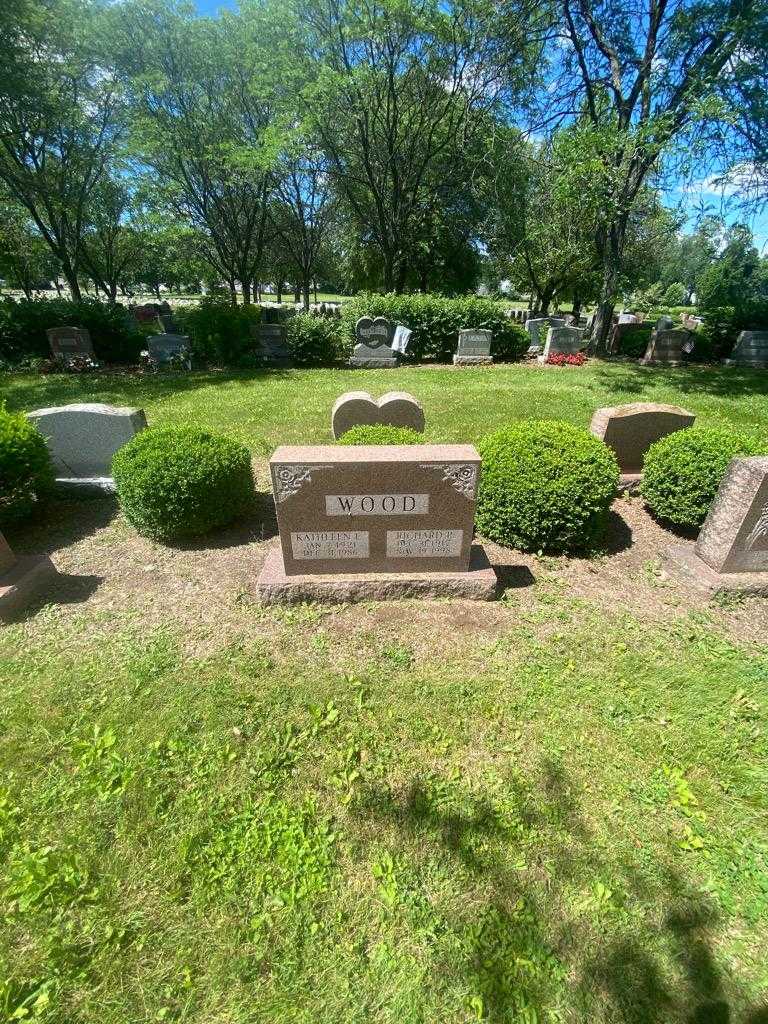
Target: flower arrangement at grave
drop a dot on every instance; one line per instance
(566, 359)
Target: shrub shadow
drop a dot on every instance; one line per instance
(258, 525)
(623, 978)
(695, 379)
(61, 523)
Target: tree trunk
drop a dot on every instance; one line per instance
(57, 286)
(232, 291)
(297, 293)
(601, 326)
(389, 273)
(279, 289)
(305, 293)
(314, 287)
(544, 300)
(577, 305)
(246, 287)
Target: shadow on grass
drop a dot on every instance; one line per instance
(524, 940)
(117, 388)
(258, 525)
(694, 379)
(61, 523)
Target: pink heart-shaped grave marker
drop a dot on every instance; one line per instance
(395, 409)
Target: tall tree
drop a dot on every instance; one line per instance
(26, 262)
(302, 211)
(397, 95)
(60, 121)
(202, 112)
(640, 73)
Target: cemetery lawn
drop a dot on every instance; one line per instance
(552, 808)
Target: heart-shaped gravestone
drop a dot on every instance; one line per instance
(395, 409)
(373, 334)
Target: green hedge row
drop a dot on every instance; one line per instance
(722, 325)
(436, 322)
(23, 323)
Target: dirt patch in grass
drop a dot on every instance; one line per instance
(206, 587)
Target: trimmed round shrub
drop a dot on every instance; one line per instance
(682, 472)
(381, 433)
(545, 486)
(26, 474)
(176, 482)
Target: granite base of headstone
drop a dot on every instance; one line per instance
(82, 440)
(567, 340)
(474, 348)
(630, 430)
(750, 351)
(22, 580)
(375, 522)
(373, 341)
(666, 348)
(731, 553)
(358, 408)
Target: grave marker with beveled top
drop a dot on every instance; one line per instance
(82, 439)
(630, 430)
(373, 344)
(731, 552)
(474, 347)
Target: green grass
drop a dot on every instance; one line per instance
(337, 825)
(265, 409)
(537, 811)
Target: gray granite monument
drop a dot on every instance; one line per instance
(731, 553)
(373, 344)
(474, 348)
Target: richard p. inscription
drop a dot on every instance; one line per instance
(404, 507)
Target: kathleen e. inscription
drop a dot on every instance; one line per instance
(308, 545)
(377, 504)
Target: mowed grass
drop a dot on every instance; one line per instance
(535, 811)
(563, 821)
(265, 409)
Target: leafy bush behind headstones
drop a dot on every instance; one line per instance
(23, 323)
(546, 485)
(436, 322)
(26, 474)
(380, 433)
(682, 472)
(314, 340)
(220, 333)
(176, 482)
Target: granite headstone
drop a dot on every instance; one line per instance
(358, 408)
(373, 344)
(82, 439)
(474, 348)
(750, 350)
(630, 430)
(666, 348)
(69, 343)
(731, 552)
